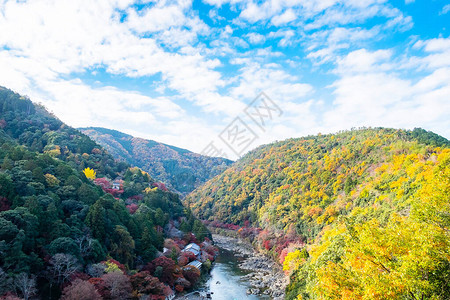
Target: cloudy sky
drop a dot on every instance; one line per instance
(180, 72)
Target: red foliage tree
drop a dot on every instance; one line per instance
(101, 288)
(191, 273)
(160, 186)
(189, 238)
(283, 255)
(183, 282)
(207, 256)
(79, 275)
(179, 288)
(115, 193)
(135, 198)
(182, 261)
(9, 296)
(189, 255)
(181, 244)
(145, 284)
(4, 204)
(167, 268)
(103, 183)
(118, 284)
(132, 208)
(170, 244)
(167, 291)
(80, 290)
(210, 249)
(268, 244)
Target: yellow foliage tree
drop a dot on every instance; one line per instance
(294, 260)
(111, 267)
(55, 152)
(89, 173)
(406, 258)
(51, 180)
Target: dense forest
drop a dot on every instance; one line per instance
(360, 214)
(180, 169)
(77, 224)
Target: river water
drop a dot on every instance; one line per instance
(226, 281)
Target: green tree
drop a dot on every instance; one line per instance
(199, 230)
(96, 221)
(7, 164)
(146, 245)
(123, 245)
(160, 217)
(87, 194)
(64, 245)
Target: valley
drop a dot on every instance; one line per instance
(224, 150)
(358, 214)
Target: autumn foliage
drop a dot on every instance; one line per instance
(353, 215)
(80, 290)
(89, 173)
(163, 268)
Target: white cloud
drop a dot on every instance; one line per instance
(326, 44)
(438, 78)
(253, 13)
(286, 17)
(256, 38)
(338, 16)
(221, 2)
(63, 37)
(437, 50)
(400, 22)
(369, 92)
(363, 61)
(445, 9)
(158, 17)
(286, 36)
(80, 104)
(326, 28)
(255, 78)
(437, 45)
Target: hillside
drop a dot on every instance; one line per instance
(69, 213)
(180, 169)
(361, 214)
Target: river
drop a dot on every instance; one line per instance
(238, 269)
(226, 281)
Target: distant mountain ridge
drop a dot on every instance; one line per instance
(180, 169)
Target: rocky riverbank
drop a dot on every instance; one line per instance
(266, 277)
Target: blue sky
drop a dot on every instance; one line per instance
(180, 72)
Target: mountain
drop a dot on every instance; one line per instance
(360, 214)
(180, 169)
(73, 219)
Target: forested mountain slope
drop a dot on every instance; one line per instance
(361, 214)
(180, 169)
(64, 225)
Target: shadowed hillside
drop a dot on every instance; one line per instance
(73, 219)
